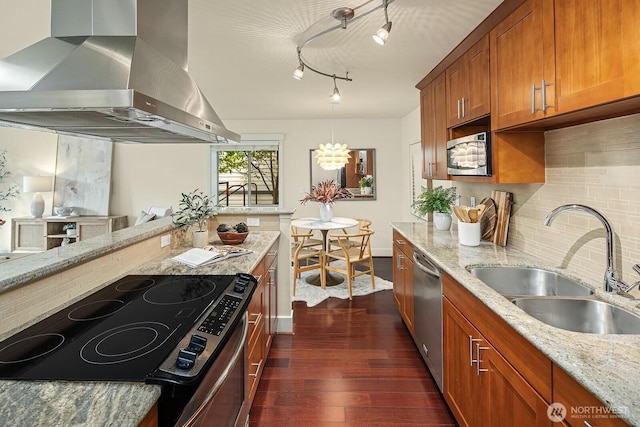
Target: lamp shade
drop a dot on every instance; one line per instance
(332, 156)
(37, 184)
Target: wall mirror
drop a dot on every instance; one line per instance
(362, 163)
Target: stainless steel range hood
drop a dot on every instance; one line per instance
(112, 69)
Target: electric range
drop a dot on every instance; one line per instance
(151, 328)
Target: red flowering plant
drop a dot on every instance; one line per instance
(326, 192)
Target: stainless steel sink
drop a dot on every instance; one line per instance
(581, 315)
(529, 281)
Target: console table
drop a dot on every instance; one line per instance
(40, 234)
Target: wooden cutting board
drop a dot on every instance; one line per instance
(503, 201)
(488, 221)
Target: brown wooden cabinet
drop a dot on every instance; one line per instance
(492, 375)
(596, 44)
(403, 278)
(262, 312)
(522, 65)
(580, 404)
(467, 84)
(433, 103)
(481, 387)
(40, 234)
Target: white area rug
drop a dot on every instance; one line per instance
(314, 295)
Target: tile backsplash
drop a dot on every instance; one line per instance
(595, 164)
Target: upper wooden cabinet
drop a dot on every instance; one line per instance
(562, 61)
(467, 82)
(597, 45)
(434, 129)
(522, 65)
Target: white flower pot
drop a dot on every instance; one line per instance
(71, 232)
(365, 190)
(200, 238)
(326, 212)
(442, 221)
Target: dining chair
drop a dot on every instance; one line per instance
(310, 255)
(363, 224)
(352, 255)
(311, 241)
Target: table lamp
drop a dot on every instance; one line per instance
(37, 185)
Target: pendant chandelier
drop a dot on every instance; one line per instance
(332, 156)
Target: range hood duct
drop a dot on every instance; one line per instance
(112, 69)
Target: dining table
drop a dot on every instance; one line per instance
(336, 223)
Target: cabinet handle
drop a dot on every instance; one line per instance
(543, 88)
(399, 265)
(471, 341)
(478, 360)
(258, 317)
(533, 98)
(257, 368)
(463, 113)
(458, 108)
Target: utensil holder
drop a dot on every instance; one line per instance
(469, 233)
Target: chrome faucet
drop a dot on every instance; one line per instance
(611, 282)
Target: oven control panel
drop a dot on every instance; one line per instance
(206, 338)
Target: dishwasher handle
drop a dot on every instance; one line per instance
(426, 265)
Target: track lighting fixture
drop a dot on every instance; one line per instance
(345, 15)
(382, 34)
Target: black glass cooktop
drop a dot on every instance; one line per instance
(120, 333)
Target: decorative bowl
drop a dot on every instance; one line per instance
(232, 238)
(62, 210)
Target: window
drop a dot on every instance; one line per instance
(247, 174)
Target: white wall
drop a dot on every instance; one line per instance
(410, 135)
(303, 135)
(148, 174)
(29, 153)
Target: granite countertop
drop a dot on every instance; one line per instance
(61, 403)
(603, 364)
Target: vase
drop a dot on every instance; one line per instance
(200, 238)
(326, 212)
(442, 221)
(365, 190)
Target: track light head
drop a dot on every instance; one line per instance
(382, 34)
(299, 72)
(335, 96)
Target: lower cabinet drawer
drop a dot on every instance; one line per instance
(582, 408)
(256, 358)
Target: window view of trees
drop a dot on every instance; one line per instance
(248, 178)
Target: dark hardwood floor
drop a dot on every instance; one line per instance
(348, 363)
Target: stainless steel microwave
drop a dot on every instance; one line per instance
(469, 155)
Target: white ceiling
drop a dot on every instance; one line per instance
(242, 53)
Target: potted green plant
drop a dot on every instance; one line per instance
(366, 184)
(195, 209)
(438, 201)
(5, 193)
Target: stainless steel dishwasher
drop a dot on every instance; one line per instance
(427, 289)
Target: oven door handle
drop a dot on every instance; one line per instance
(225, 374)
